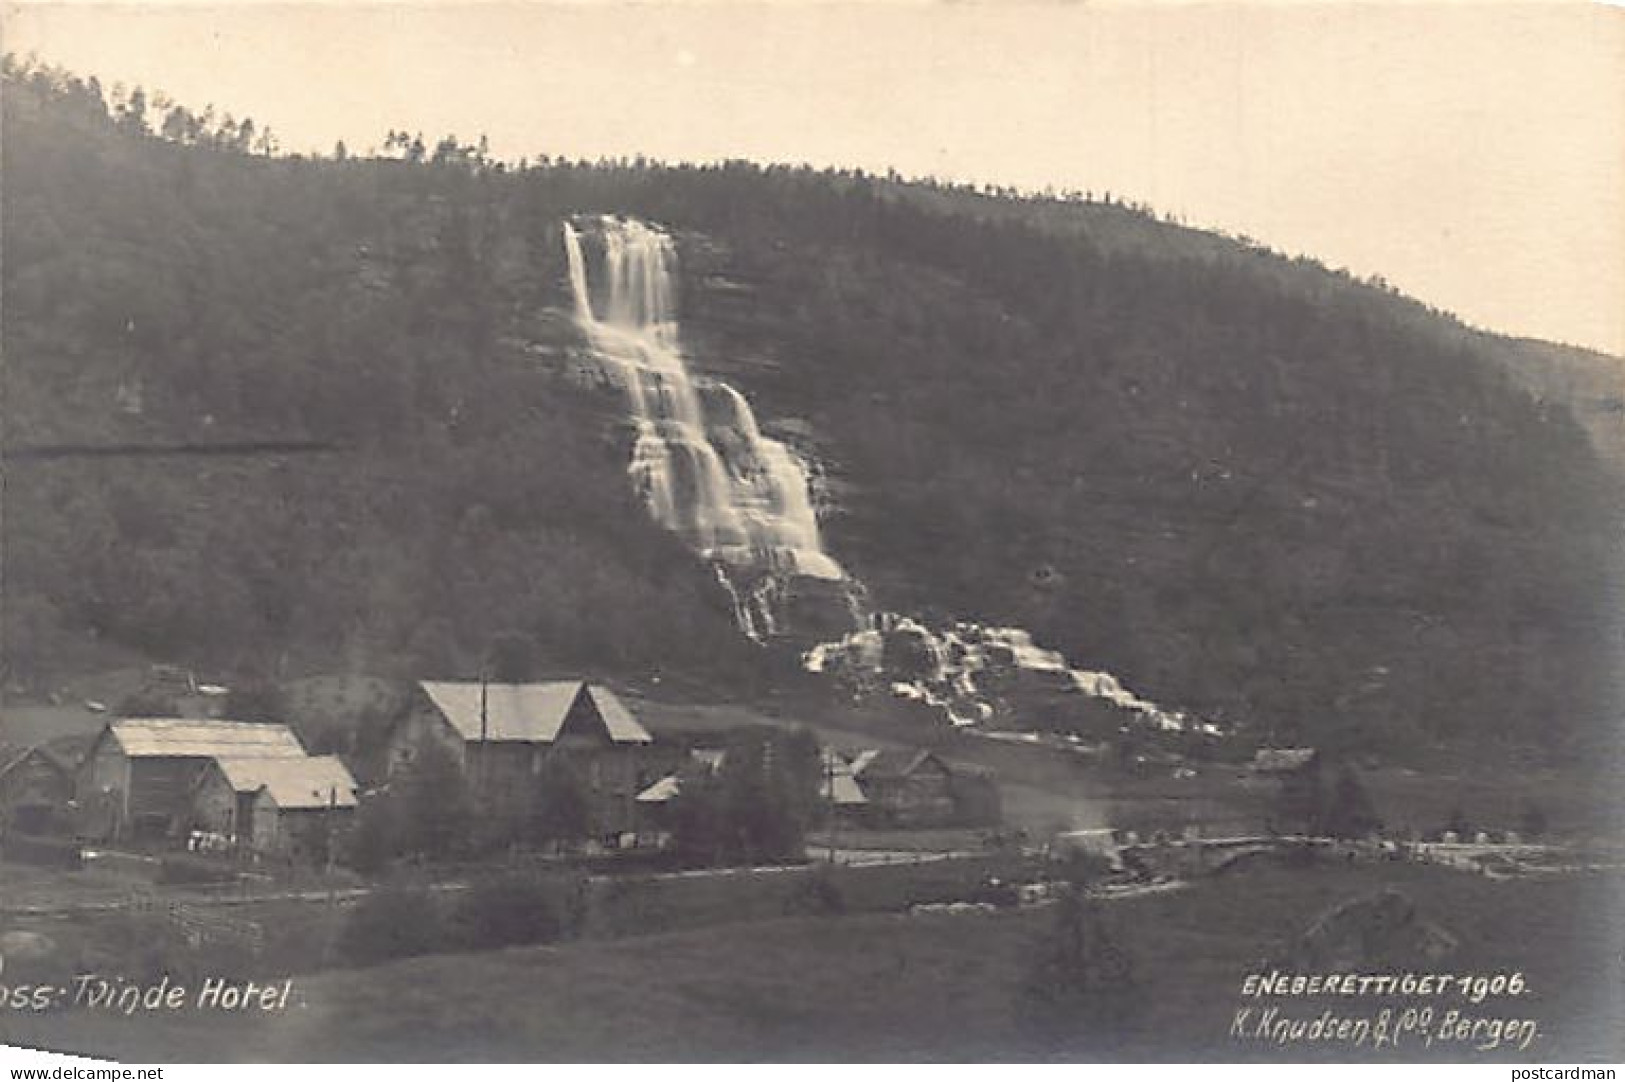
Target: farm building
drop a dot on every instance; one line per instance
(507, 737)
(139, 776)
(294, 807)
(838, 788)
(907, 787)
(36, 789)
(915, 787)
(653, 803)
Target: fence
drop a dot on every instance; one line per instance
(199, 926)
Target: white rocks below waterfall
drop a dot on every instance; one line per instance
(972, 674)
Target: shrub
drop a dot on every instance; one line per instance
(818, 894)
(44, 851)
(179, 869)
(1347, 811)
(395, 922)
(1080, 987)
(509, 910)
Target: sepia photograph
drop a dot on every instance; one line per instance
(797, 531)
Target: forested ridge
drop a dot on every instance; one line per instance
(1247, 485)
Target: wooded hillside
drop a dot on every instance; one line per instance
(1247, 485)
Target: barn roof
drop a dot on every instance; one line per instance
(838, 784)
(661, 791)
(1283, 760)
(318, 781)
(843, 789)
(528, 713)
(862, 759)
(184, 738)
(895, 762)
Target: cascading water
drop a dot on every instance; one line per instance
(743, 501)
(958, 670)
(700, 460)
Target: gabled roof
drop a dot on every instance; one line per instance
(185, 738)
(623, 727)
(862, 759)
(1283, 760)
(661, 791)
(702, 763)
(528, 713)
(843, 790)
(44, 754)
(318, 781)
(895, 762)
(838, 785)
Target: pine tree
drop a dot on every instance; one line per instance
(1347, 811)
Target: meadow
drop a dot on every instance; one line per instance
(888, 986)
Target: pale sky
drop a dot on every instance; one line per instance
(1473, 153)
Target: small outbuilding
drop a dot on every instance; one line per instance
(907, 787)
(293, 807)
(36, 790)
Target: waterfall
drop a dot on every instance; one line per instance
(743, 501)
(699, 460)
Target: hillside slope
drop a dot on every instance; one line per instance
(1299, 503)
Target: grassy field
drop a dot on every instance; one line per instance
(892, 986)
(301, 933)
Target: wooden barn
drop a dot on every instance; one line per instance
(914, 787)
(907, 787)
(138, 779)
(509, 737)
(296, 807)
(36, 790)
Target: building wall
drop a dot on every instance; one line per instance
(107, 770)
(160, 793)
(923, 797)
(612, 776)
(33, 792)
(103, 789)
(215, 807)
(35, 781)
(408, 738)
(264, 829)
(509, 778)
(304, 834)
(503, 775)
